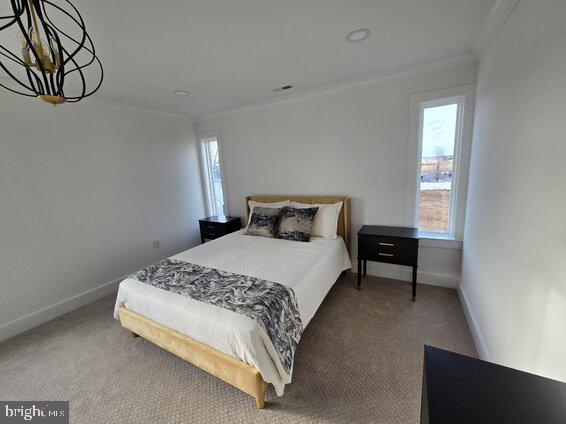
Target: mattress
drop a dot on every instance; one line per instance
(310, 269)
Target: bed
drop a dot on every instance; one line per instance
(226, 344)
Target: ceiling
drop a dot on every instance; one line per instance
(233, 53)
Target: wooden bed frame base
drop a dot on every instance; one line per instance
(237, 373)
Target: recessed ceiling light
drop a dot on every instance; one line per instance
(180, 92)
(358, 35)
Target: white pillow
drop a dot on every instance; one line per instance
(252, 203)
(326, 220)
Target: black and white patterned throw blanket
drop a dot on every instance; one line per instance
(271, 305)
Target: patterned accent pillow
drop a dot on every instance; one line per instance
(263, 222)
(296, 224)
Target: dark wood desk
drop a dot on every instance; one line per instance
(458, 389)
(216, 226)
(394, 245)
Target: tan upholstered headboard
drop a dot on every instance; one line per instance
(343, 219)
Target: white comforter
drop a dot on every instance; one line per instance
(310, 269)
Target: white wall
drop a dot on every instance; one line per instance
(514, 262)
(84, 191)
(352, 143)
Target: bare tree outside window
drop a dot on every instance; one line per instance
(440, 153)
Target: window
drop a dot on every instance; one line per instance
(441, 130)
(438, 143)
(212, 175)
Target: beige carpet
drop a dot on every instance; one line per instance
(360, 360)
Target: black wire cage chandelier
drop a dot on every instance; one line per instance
(52, 59)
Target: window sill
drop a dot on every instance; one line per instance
(429, 240)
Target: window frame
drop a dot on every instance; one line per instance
(206, 176)
(464, 96)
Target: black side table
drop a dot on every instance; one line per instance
(393, 245)
(464, 390)
(216, 226)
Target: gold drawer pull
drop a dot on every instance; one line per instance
(387, 244)
(385, 254)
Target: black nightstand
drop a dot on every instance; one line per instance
(216, 226)
(393, 245)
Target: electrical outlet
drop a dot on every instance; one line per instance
(156, 244)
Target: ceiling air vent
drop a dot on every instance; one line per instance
(285, 87)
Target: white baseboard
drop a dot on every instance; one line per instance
(396, 272)
(50, 312)
(479, 341)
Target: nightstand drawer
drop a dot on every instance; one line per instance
(212, 230)
(388, 249)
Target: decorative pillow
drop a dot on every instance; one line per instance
(326, 220)
(263, 222)
(296, 224)
(253, 203)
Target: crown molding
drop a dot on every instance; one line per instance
(493, 24)
(100, 103)
(381, 78)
